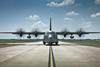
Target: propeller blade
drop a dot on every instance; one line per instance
(35, 31)
(20, 32)
(65, 31)
(80, 32)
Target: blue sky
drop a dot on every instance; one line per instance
(31, 14)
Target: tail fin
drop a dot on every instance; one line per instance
(50, 24)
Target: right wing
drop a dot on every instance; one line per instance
(80, 33)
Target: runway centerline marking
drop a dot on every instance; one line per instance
(51, 61)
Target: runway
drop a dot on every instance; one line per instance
(38, 55)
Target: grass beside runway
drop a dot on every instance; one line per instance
(18, 40)
(88, 42)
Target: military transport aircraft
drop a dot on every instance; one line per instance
(51, 36)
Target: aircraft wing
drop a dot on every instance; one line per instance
(79, 33)
(40, 33)
(21, 33)
(68, 33)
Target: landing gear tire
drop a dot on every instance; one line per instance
(56, 43)
(44, 43)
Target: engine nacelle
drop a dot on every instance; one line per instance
(64, 35)
(36, 35)
(71, 36)
(28, 36)
(80, 35)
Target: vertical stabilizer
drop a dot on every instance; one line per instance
(50, 24)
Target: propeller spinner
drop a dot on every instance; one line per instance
(20, 32)
(65, 31)
(80, 32)
(35, 32)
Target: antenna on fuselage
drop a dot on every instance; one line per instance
(50, 24)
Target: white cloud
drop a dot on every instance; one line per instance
(68, 19)
(72, 13)
(97, 1)
(37, 23)
(61, 4)
(87, 24)
(95, 15)
(33, 18)
(41, 26)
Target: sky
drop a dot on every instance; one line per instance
(65, 14)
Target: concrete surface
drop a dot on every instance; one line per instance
(34, 55)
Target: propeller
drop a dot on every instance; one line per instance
(80, 32)
(35, 32)
(20, 32)
(65, 32)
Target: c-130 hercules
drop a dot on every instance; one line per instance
(51, 36)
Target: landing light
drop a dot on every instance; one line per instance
(50, 35)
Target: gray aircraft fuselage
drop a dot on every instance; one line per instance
(50, 38)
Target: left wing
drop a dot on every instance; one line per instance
(21, 33)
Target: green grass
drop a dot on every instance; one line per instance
(95, 42)
(18, 40)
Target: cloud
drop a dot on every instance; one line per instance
(87, 24)
(37, 23)
(72, 13)
(95, 15)
(61, 4)
(68, 19)
(33, 18)
(40, 25)
(97, 1)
